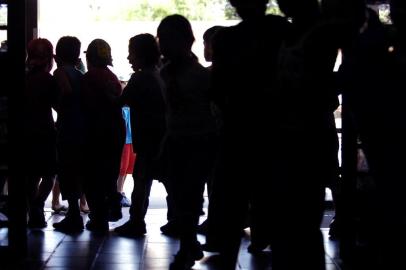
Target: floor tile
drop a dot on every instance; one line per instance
(49, 249)
(114, 258)
(74, 263)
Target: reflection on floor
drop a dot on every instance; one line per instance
(49, 249)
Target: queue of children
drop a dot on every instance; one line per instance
(191, 125)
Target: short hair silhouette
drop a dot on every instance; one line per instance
(175, 36)
(209, 33)
(40, 53)
(208, 40)
(177, 25)
(98, 53)
(68, 49)
(145, 47)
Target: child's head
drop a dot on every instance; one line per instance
(40, 54)
(175, 36)
(207, 41)
(98, 54)
(143, 52)
(67, 51)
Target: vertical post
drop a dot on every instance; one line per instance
(16, 81)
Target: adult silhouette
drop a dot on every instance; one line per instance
(393, 182)
(305, 140)
(243, 73)
(372, 76)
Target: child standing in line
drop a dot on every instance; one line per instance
(39, 133)
(143, 94)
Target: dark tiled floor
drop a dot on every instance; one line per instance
(49, 249)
